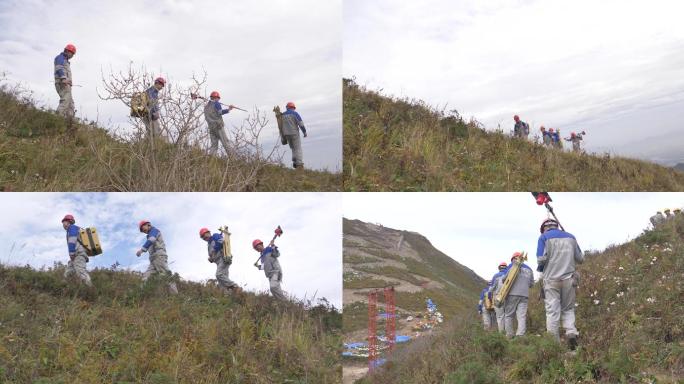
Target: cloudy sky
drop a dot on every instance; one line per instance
(480, 230)
(613, 68)
(311, 245)
(256, 53)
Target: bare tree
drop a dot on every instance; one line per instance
(179, 160)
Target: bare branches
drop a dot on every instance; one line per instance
(179, 160)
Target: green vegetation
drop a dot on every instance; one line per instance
(629, 315)
(404, 145)
(37, 155)
(53, 331)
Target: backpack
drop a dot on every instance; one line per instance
(139, 103)
(488, 304)
(279, 121)
(90, 240)
(227, 254)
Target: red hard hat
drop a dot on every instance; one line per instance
(516, 254)
(215, 94)
(256, 242)
(69, 217)
(203, 231)
(71, 48)
(142, 222)
(503, 264)
(291, 104)
(160, 80)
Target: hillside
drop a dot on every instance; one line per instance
(404, 145)
(121, 332)
(376, 257)
(629, 315)
(36, 155)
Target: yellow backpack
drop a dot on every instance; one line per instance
(90, 240)
(227, 254)
(139, 102)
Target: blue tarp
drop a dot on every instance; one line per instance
(402, 339)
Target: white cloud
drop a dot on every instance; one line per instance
(257, 53)
(480, 230)
(570, 65)
(311, 245)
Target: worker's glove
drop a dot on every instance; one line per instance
(231, 106)
(72, 256)
(155, 115)
(140, 252)
(304, 134)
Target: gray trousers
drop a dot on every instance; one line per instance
(500, 315)
(152, 127)
(274, 282)
(515, 306)
(222, 274)
(295, 142)
(159, 265)
(77, 267)
(216, 134)
(488, 319)
(66, 101)
(560, 305)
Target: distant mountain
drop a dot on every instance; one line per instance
(376, 256)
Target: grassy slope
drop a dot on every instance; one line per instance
(54, 332)
(636, 336)
(36, 156)
(435, 266)
(403, 145)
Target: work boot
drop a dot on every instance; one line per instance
(572, 342)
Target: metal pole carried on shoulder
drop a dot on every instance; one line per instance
(195, 96)
(278, 233)
(544, 199)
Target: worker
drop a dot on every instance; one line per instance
(495, 287)
(516, 301)
(64, 82)
(575, 139)
(487, 312)
(657, 219)
(271, 267)
(213, 114)
(520, 129)
(546, 137)
(215, 248)
(292, 123)
(557, 255)
(154, 243)
(151, 120)
(77, 253)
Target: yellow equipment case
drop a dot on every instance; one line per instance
(90, 240)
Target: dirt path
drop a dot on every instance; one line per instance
(353, 372)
